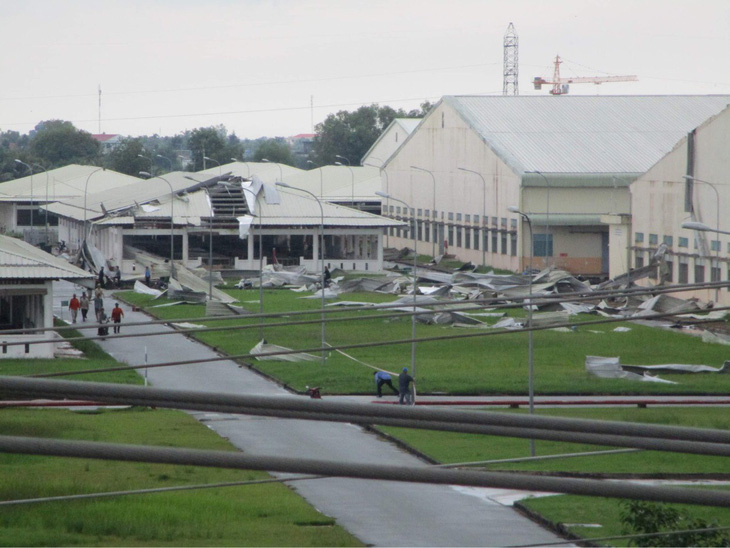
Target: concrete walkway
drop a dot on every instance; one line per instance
(378, 513)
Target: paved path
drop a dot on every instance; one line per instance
(379, 513)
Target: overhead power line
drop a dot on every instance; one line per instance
(241, 461)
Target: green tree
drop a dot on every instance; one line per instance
(351, 134)
(207, 141)
(274, 150)
(57, 143)
(125, 158)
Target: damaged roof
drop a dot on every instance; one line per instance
(19, 259)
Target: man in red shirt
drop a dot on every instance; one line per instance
(117, 315)
(74, 305)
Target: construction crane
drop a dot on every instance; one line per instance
(560, 85)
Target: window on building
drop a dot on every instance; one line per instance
(397, 210)
(420, 231)
(458, 216)
(699, 273)
(385, 209)
(467, 238)
(638, 237)
(503, 224)
(513, 244)
(451, 235)
(504, 241)
(682, 242)
(639, 260)
(542, 245)
(451, 215)
(413, 212)
(513, 224)
(476, 238)
(495, 221)
(668, 241)
(22, 217)
(427, 233)
(420, 212)
(715, 272)
(392, 209)
(495, 241)
(653, 239)
(715, 245)
(683, 273)
(467, 218)
(458, 236)
(670, 271)
(428, 213)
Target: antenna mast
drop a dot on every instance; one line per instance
(100, 109)
(511, 62)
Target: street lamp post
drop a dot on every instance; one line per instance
(531, 369)
(717, 230)
(260, 214)
(86, 193)
(220, 172)
(415, 282)
(31, 193)
(169, 161)
(548, 235)
(46, 210)
(433, 211)
(387, 190)
(172, 220)
(152, 164)
(321, 254)
(248, 168)
(484, 211)
(352, 179)
(281, 173)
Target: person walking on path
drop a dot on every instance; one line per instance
(98, 301)
(327, 276)
(103, 330)
(404, 381)
(74, 306)
(102, 280)
(117, 315)
(84, 304)
(381, 378)
(147, 276)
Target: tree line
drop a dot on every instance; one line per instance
(57, 143)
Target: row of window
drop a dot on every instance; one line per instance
(683, 269)
(450, 216)
(495, 241)
(681, 241)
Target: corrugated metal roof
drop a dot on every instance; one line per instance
(64, 183)
(138, 190)
(20, 260)
(585, 134)
(268, 172)
(335, 183)
(298, 209)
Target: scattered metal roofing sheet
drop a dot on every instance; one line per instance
(585, 134)
(20, 260)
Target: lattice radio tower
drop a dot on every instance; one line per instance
(511, 62)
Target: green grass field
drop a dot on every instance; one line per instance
(253, 515)
(494, 364)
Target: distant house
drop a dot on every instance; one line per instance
(108, 142)
(26, 296)
(301, 145)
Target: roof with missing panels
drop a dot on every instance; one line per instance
(20, 260)
(585, 134)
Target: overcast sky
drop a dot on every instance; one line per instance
(256, 66)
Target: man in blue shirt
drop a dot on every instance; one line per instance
(381, 378)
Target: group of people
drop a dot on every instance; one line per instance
(82, 304)
(404, 393)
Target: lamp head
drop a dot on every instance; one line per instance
(694, 225)
(279, 183)
(265, 160)
(338, 163)
(382, 194)
(514, 209)
(145, 174)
